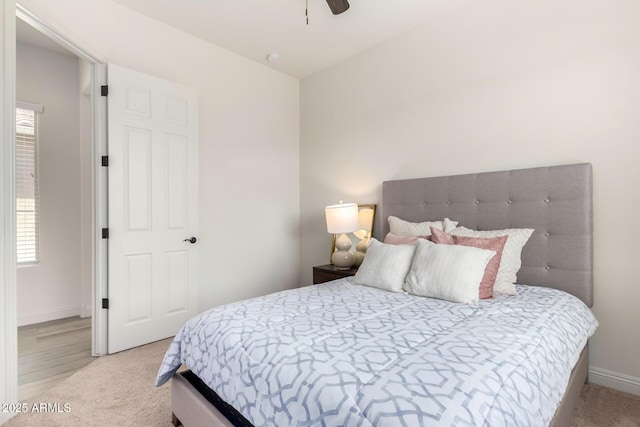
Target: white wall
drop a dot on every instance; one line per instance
(50, 289)
(493, 85)
(249, 142)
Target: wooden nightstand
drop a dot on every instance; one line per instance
(325, 273)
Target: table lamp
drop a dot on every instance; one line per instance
(341, 219)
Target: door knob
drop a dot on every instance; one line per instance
(191, 240)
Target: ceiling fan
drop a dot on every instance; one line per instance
(338, 6)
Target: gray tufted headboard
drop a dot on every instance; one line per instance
(556, 201)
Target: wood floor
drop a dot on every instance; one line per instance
(50, 352)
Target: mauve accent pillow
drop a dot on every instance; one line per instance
(510, 262)
(394, 239)
(495, 244)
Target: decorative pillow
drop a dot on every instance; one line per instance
(495, 244)
(449, 272)
(405, 228)
(394, 239)
(510, 262)
(449, 225)
(385, 266)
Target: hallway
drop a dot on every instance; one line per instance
(51, 351)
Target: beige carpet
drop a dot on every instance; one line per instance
(118, 390)
(115, 390)
(601, 406)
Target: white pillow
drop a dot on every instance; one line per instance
(385, 266)
(449, 225)
(510, 262)
(449, 272)
(401, 227)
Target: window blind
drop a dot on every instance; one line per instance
(27, 198)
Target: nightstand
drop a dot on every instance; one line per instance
(325, 273)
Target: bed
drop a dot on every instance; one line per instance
(554, 201)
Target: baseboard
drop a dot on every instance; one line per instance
(86, 310)
(614, 380)
(45, 316)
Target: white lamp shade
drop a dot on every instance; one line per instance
(342, 218)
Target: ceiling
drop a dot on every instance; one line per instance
(256, 28)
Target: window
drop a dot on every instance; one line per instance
(27, 200)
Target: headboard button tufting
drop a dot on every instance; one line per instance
(515, 199)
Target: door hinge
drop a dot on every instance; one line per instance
(105, 160)
(104, 90)
(105, 303)
(105, 233)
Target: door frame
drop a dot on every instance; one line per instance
(10, 9)
(8, 318)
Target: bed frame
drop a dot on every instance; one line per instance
(556, 201)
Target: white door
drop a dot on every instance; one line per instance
(153, 196)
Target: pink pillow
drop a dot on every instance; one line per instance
(494, 244)
(394, 239)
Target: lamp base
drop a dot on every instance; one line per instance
(342, 258)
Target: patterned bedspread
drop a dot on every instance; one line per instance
(339, 354)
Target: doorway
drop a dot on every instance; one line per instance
(53, 197)
(98, 173)
(93, 186)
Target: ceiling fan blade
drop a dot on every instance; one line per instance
(338, 6)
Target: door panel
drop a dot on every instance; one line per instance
(138, 279)
(177, 273)
(137, 179)
(153, 193)
(177, 179)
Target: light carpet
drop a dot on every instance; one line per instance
(114, 390)
(118, 390)
(600, 406)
